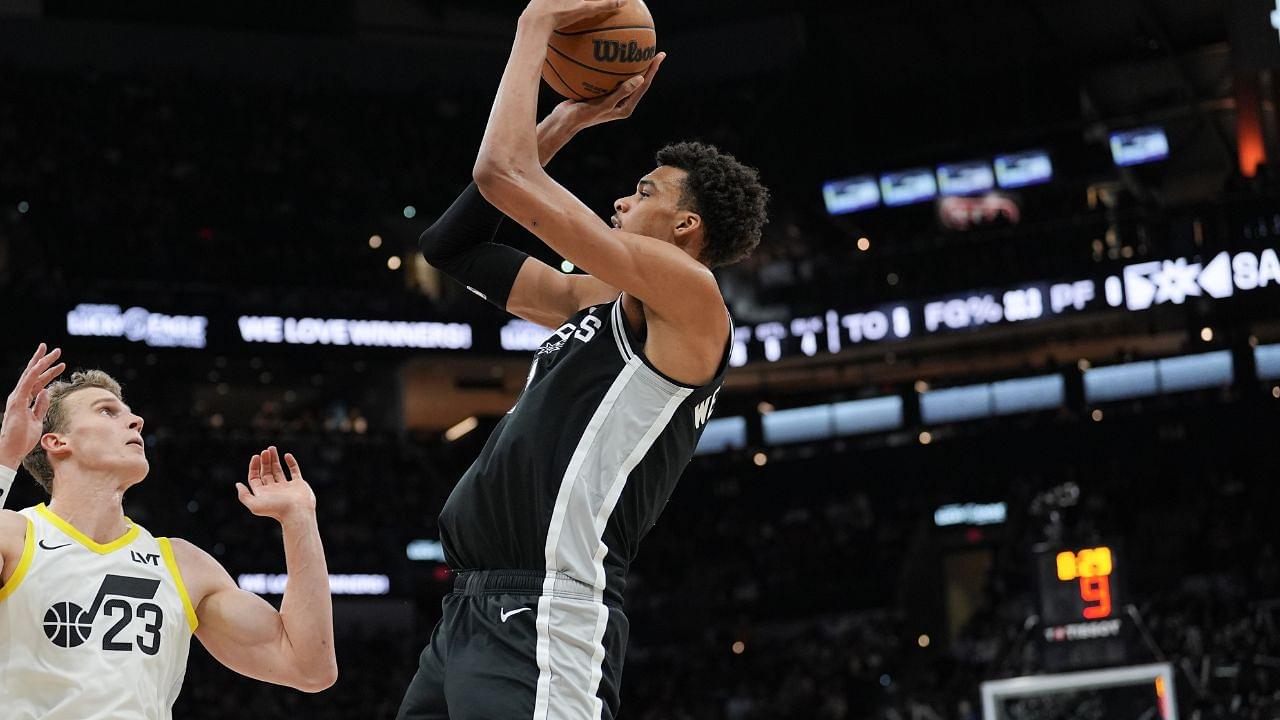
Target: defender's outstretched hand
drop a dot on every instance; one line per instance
(617, 105)
(268, 492)
(27, 405)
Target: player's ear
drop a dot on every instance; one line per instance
(53, 443)
(688, 227)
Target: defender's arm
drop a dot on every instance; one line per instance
(245, 633)
(291, 647)
(24, 412)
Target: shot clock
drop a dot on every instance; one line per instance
(1080, 605)
(1078, 586)
(1090, 570)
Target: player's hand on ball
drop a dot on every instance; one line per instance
(27, 405)
(568, 12)
(617, 105)
(268, 492)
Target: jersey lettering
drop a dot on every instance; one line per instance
(702, 411)
(144, 558)
(585, 332)
(590, 324)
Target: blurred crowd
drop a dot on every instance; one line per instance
(799, 589)
(802, 589)
(268, 196)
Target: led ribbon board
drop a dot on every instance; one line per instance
(137, 324)
(1136, 287)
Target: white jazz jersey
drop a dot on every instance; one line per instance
(91, 631)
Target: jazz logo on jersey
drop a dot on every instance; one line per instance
(67, 625)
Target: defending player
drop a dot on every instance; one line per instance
(96, 615)
(542, 527)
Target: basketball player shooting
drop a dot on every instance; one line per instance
(96, 614)
(543, 526)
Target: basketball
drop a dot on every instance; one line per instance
(591, 58)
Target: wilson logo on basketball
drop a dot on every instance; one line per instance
(590, 58)
(614, 51)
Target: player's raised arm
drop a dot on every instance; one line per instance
(291, 647)
(24, 413)
(460, 242)
(20, 430)
(666, 278)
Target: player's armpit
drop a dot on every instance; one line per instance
(665, 278)
(243, 631)
(547, 297)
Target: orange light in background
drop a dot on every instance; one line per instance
(1252, 153)
(1162, 698)
(1252, 150)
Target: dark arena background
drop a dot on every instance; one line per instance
(1000, 438)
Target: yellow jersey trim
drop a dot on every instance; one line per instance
(102, 549)
(24, 562)
(166, 550)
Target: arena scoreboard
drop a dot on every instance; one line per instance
(1081, 602)
(1076, 585)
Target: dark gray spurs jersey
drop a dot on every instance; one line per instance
(581, 467)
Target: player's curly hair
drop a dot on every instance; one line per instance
(727, 194)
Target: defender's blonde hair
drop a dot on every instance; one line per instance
(37, 461)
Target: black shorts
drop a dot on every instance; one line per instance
(520, 645)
